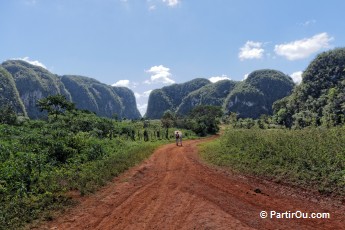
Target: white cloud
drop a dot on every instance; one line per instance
(251, 50)
(219, 78)
(121, 83)
(160, 74)
(297, 77)
(300, 49)
(27, 59)
(308, 23)
(145, 94)
(142, 108)
(152, 7)
(245, 76)
(137, 95)
(171, 3)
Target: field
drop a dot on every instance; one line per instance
(310, 158)
(40, 161)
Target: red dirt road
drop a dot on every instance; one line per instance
(173, 189)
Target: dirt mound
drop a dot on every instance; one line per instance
(173, 189)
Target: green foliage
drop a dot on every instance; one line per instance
(205, 119)
(320, 98)
(170, 97)
(210, 94)
(55, 105)
(25, 84)
(8, 115)
(256, 95)
(249, 99)
(168, 120)
(41, 160)
(9, 95)
(310, 158)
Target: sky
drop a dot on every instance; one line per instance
(148, 44)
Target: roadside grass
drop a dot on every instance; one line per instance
(19, 209)
(41, 162)
(310, 158)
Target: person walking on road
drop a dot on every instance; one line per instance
(177, 136)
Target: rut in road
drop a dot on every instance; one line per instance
(173, 189)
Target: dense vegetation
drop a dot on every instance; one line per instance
(255, 96)
(76, 150)
(9, 95)
(170, 97)
(26, 83)
(210, 94)
(320, 98)
(308, 158)
(203, 120)
(311, 152)
(41, 160)
(249, 99)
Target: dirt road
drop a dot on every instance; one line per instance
(173, 189)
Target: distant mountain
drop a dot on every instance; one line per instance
(320, 98)
(249, 98)
(31, 83)
(170, 97)
(255, 95)
(211, 94)
(8, 92)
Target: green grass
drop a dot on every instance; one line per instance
(309, 158)
(47, 193)
(41, 161)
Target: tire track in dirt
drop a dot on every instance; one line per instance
(173, 189)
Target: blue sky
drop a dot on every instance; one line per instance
(148, 44)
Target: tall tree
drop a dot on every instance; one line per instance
(205, 119)
(167, 120)
(55, 105)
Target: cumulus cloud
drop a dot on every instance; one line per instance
(297, 77)
(245, 76)
(32, 62)
(219, 78)
(171, 3)
(145, 94)
(142, 108)
(137, 95)
(300, 49)
(160, 74)
(121, 83)
(251, 50)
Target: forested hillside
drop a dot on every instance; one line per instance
(170, 97)
(320, 98)
(211, 94)
(26, 83)
(256, 95)
(9, 93)
(249, 98)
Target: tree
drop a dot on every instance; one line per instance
(55, 105)
(8, 115)
(233, 117)
(168, 120)
(205, 119)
